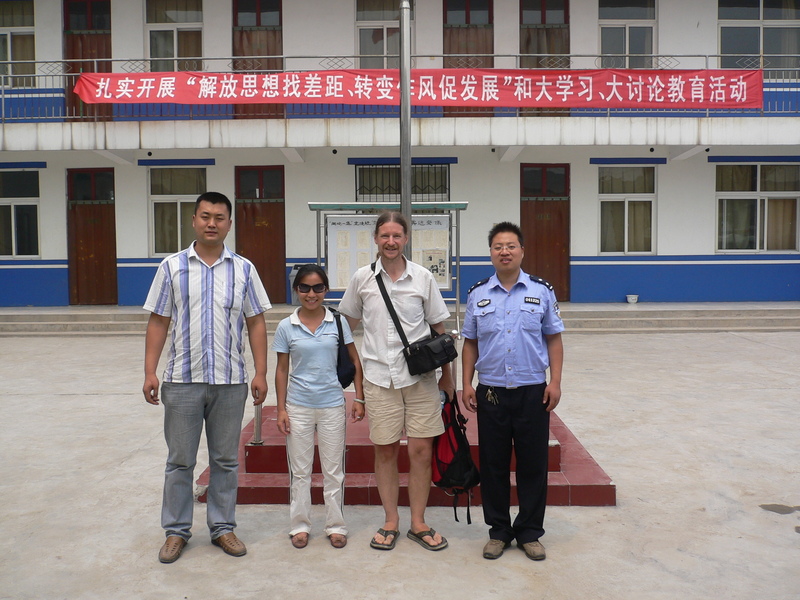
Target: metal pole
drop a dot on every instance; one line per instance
(405, 116)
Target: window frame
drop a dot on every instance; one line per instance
(627, 198)
(177, 200)
(258, 24)
(175, 28)
(89, 16)
(467, 15)
(543, 12)
(612, 60)
(389, 197)
(762, 24)
(761, 199)
(260, 170)
(13, 202)
(21, 74)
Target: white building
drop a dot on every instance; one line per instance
(667, 204)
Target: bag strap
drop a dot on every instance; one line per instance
(338, 318)
(390, 306)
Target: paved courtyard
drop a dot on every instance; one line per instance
(699, 431)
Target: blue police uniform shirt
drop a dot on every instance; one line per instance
(510, 329)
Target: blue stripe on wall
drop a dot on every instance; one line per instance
(175, 162)
(628, 161)
(23, 165)
(421, 160)
(751, 159)
(713, 278)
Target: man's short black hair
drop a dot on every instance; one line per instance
(214, 198)
(506, 227)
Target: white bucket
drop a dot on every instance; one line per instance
(632, 298)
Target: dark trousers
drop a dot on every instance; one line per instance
(520, 419)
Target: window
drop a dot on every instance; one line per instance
(259, 183)
(627, 195)
(87, 15)
(257, 13)
(381, 183)
(759, 33)
(545, 181)
(257, 32)
(17, 42)
(758, 207)
(468, 40)
(378, 25)
(175, 33)
(468, 12)
(173, 193)
(19, 213)
(544, 29)
(627, 33)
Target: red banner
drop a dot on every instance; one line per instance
(515, 88)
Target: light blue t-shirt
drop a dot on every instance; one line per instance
(312, 381)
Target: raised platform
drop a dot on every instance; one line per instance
(575, 478)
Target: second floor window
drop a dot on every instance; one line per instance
(17, 43)
(627, 29)
(760, 34)
(544, 29)
(175, 34)
(378, 25)
(87, 15)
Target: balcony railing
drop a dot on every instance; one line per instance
(42, 91)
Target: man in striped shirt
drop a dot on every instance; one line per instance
(209, 293)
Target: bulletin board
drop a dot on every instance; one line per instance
(349, 245)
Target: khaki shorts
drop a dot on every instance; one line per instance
(416, 408)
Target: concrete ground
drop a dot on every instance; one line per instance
(699, 431)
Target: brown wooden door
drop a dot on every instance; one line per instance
(260, 237)
(92, 245)
(92, 256)
(87, 41)
(545, 223)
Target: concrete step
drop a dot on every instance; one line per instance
(636, 318)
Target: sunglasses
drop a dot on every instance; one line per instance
(304, 288)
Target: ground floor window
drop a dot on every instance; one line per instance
(627, 196)
(381, 183)
(758, 207)
(19, 213)
(173, 192)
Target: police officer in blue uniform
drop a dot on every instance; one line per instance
(512, 335)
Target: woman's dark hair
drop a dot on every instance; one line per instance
(309, 270)
(391, 216)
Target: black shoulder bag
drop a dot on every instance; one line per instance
(345, 369)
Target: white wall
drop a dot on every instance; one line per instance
(48, 22)
(127, 31)
(318, 28)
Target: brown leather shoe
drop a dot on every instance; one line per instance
(230, 544)
(172, 548)
(533, 550)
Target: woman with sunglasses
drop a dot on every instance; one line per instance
(310, 399)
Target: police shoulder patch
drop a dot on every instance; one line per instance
(546, 284)
(484, 302)
(480, 283)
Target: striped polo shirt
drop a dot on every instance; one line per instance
(207, 307)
